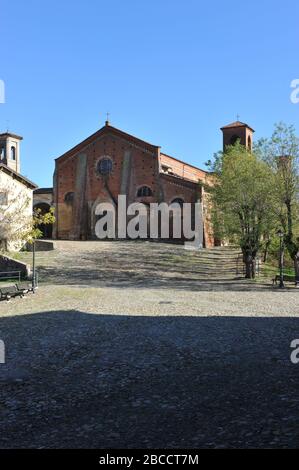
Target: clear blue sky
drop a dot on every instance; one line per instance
(169, 71)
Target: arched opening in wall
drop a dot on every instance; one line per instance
(69, 198)
(249, 143)
(234, 139)
(178, 200)
(13, 153)
(46, 230)
(176, 234)
(2, 152)
(144, 191)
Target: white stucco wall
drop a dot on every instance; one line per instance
(16, 210)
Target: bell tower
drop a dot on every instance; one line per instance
(237, 130)
(10, 151)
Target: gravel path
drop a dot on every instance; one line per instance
(122, 365)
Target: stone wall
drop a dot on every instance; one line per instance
(9, 264)
(41, 245)
(43, 196)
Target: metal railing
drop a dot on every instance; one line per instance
(35, 280)
(10, 275)
(16, 276)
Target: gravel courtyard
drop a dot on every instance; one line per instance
(148, 345)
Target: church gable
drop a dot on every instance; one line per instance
(112, 155)
(104, 166)
(114, 133)
(115, 165)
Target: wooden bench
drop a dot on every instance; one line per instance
(24, 288)
(286, 278)
(7, 293)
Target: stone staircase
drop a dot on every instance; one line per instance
(219, 262)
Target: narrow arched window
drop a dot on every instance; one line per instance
(69, 198)
(178, 200)
(12, 153)
(144, 191)
(234, 139)
(249, 143)
(2, 153)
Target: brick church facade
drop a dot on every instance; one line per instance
(111, 163)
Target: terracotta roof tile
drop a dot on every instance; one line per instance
(236, 124)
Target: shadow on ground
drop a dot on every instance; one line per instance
(145, 265)
(102, 381)
(151, 279)
(142, 264)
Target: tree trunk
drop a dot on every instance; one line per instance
(253, 268)
(296, 266)
(249, 267)
(3, 245)
(266, 251)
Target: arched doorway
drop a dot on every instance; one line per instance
(234, 139)
(249, 143)
(45, 229)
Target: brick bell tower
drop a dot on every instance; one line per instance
(237, 130)
(10, 151)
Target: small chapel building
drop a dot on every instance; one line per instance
(16, 193)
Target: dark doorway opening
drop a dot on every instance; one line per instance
(46, 230)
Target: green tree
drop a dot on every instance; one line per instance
(17, 224)
(281, 153)
(39, 218)
(15, 215)
(242, 201)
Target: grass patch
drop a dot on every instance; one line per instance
(269, 270)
